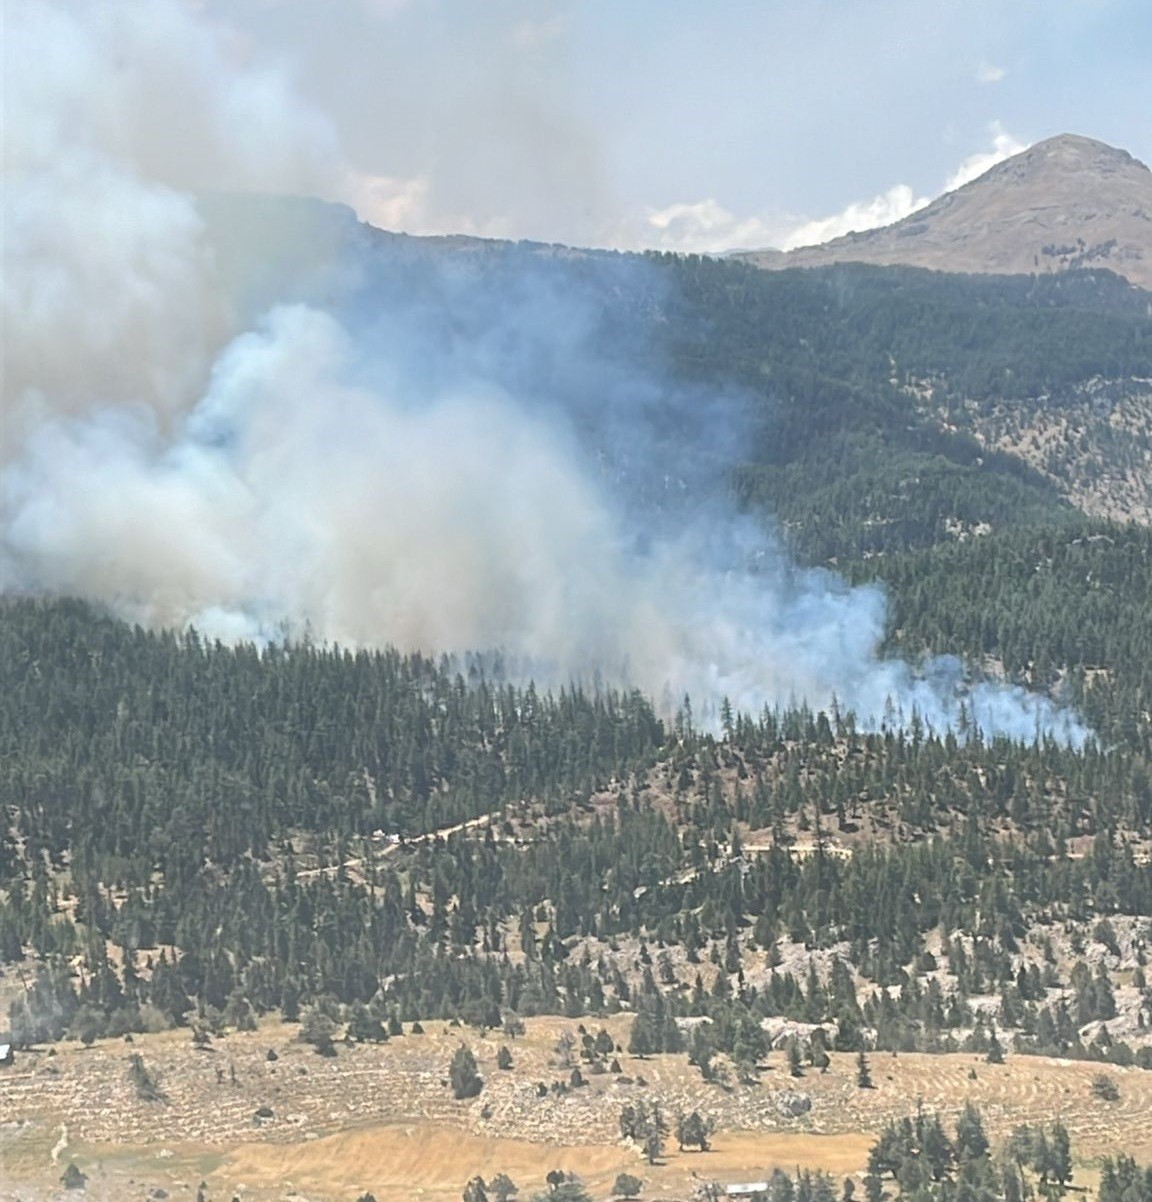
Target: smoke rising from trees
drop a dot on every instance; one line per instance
(263, 422)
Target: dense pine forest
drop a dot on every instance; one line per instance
(200, 834)
(221, 817)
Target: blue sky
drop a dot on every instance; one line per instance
(666, 122)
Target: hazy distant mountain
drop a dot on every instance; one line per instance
(1066, 202)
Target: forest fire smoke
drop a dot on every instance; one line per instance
(455, 469)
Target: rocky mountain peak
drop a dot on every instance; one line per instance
(1066, 202)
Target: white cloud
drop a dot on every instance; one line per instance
(989, 73)
(900, 201)
(703, 226)
(407, 204)
(410, 204)
(891, 206)
(390, 202)
(706, 226)
(1004, 146)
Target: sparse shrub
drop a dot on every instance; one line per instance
(89, 1024)
(73, 1178)
(318, 1030)
(563, 1187)
(213, 1019)
(1105, 1088)
(153, 1020)
(145, 1084)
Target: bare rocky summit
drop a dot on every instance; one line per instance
(1064, 203)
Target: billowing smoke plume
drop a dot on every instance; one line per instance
(365, 440)
(114, 113)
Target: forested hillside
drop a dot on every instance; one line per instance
(849, 456)
(174, 800)
(199, 833)
(871, 407)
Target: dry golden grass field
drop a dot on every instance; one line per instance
(381, 1118)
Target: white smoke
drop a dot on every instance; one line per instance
(293, 473)
(114, 112)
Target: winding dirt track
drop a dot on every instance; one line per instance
(386, 849)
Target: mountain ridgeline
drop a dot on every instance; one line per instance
(1066, 203)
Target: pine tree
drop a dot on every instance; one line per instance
(692, 1131)
(795, 1066)
(502, 1187)
(995, 1050)
(1059, 1154)
(463, 1076)
(863, 1072)
(971, 1141)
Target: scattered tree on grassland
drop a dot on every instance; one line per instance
(502, 1187)
(693, 1131)
(73, 1178)
(627, 1185)
(863, 1072)
(476, 1190)
(463, 1076)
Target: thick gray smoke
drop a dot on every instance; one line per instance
(375, 444)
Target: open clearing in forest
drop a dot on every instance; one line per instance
(434, 1163)
(381, 1118)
